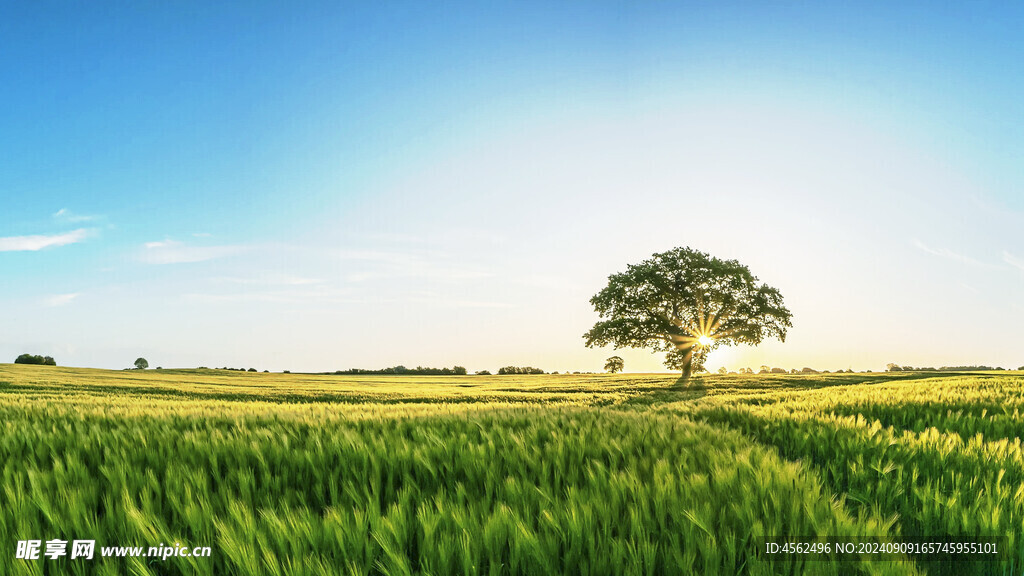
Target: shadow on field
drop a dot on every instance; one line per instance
(698, 385)
(680, 390)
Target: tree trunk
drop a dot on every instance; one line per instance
(687, 370)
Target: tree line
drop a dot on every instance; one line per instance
(771, 370)
(520, 370)
(417, 371)
(893, 367)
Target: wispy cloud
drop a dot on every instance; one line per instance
(951, 255)
(270, 279)
(1012, 260)
(175, 252)
(38, 242)
(275, 297)
(60, 299)
(422, 264)
(66, 215)
(337, 298)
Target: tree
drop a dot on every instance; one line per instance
(35, 359)
(141, 364)
(614, 364)
(519, 370)
(686, 303)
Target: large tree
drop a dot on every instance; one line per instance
(614, 364)
(686, 303)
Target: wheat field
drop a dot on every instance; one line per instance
(289, 474)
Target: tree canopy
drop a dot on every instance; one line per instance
(614, 364)
(35, 359)
(141, 363)
(686, 303)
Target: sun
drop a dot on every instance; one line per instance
(705, 340)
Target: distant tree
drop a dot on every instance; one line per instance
(723, 370)
(159, 368)
(778, 370)
(793, 370)
(483, 372)
(1021, 368)
(809, 371)
(252, 369)
(686, 303)
(519, 370)
(614, 364)
(893, 367)
(287, 372)
(35, 359)
(764, 370)
(141, 364)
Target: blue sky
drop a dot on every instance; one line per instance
(322, 186)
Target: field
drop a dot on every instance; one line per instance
(488, 475)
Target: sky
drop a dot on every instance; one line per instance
(320, 186)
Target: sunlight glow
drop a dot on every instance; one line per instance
(705, 340)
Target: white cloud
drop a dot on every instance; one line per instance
(272, 279)
(174, 252)
(421, 264)
(38, 242)
(60, 299)
(1013, 260)
(338, 298)
(69, 216)
(943, 252)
